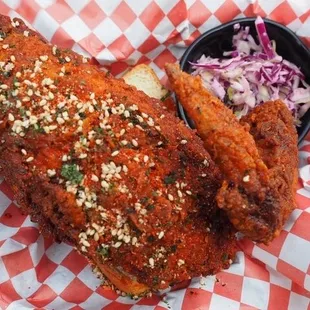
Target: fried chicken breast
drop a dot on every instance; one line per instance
(251, 193)
(103, 166)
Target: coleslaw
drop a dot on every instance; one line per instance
(254, 73)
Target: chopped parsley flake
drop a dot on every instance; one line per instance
(150, 207)
(38, 128)
(71, 173)
(170, 178)
(61, 60)
(82, 115)
(22, 112)
(99, 130)
(104, 251)
(144, 200)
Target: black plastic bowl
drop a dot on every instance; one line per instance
(217, 40)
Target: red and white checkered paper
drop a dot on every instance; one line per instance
(37, 273)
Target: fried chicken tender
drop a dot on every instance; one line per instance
(251, 193)
(103, 166)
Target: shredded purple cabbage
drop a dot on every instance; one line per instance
(253, 73)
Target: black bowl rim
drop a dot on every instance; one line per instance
(188, 51)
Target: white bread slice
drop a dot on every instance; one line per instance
(144, 78)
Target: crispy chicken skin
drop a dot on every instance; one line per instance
(101, 165)
(272, 126)
(252, 192)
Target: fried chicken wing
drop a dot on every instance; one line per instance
(272, 126)
(250, 193)
(103, 166)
